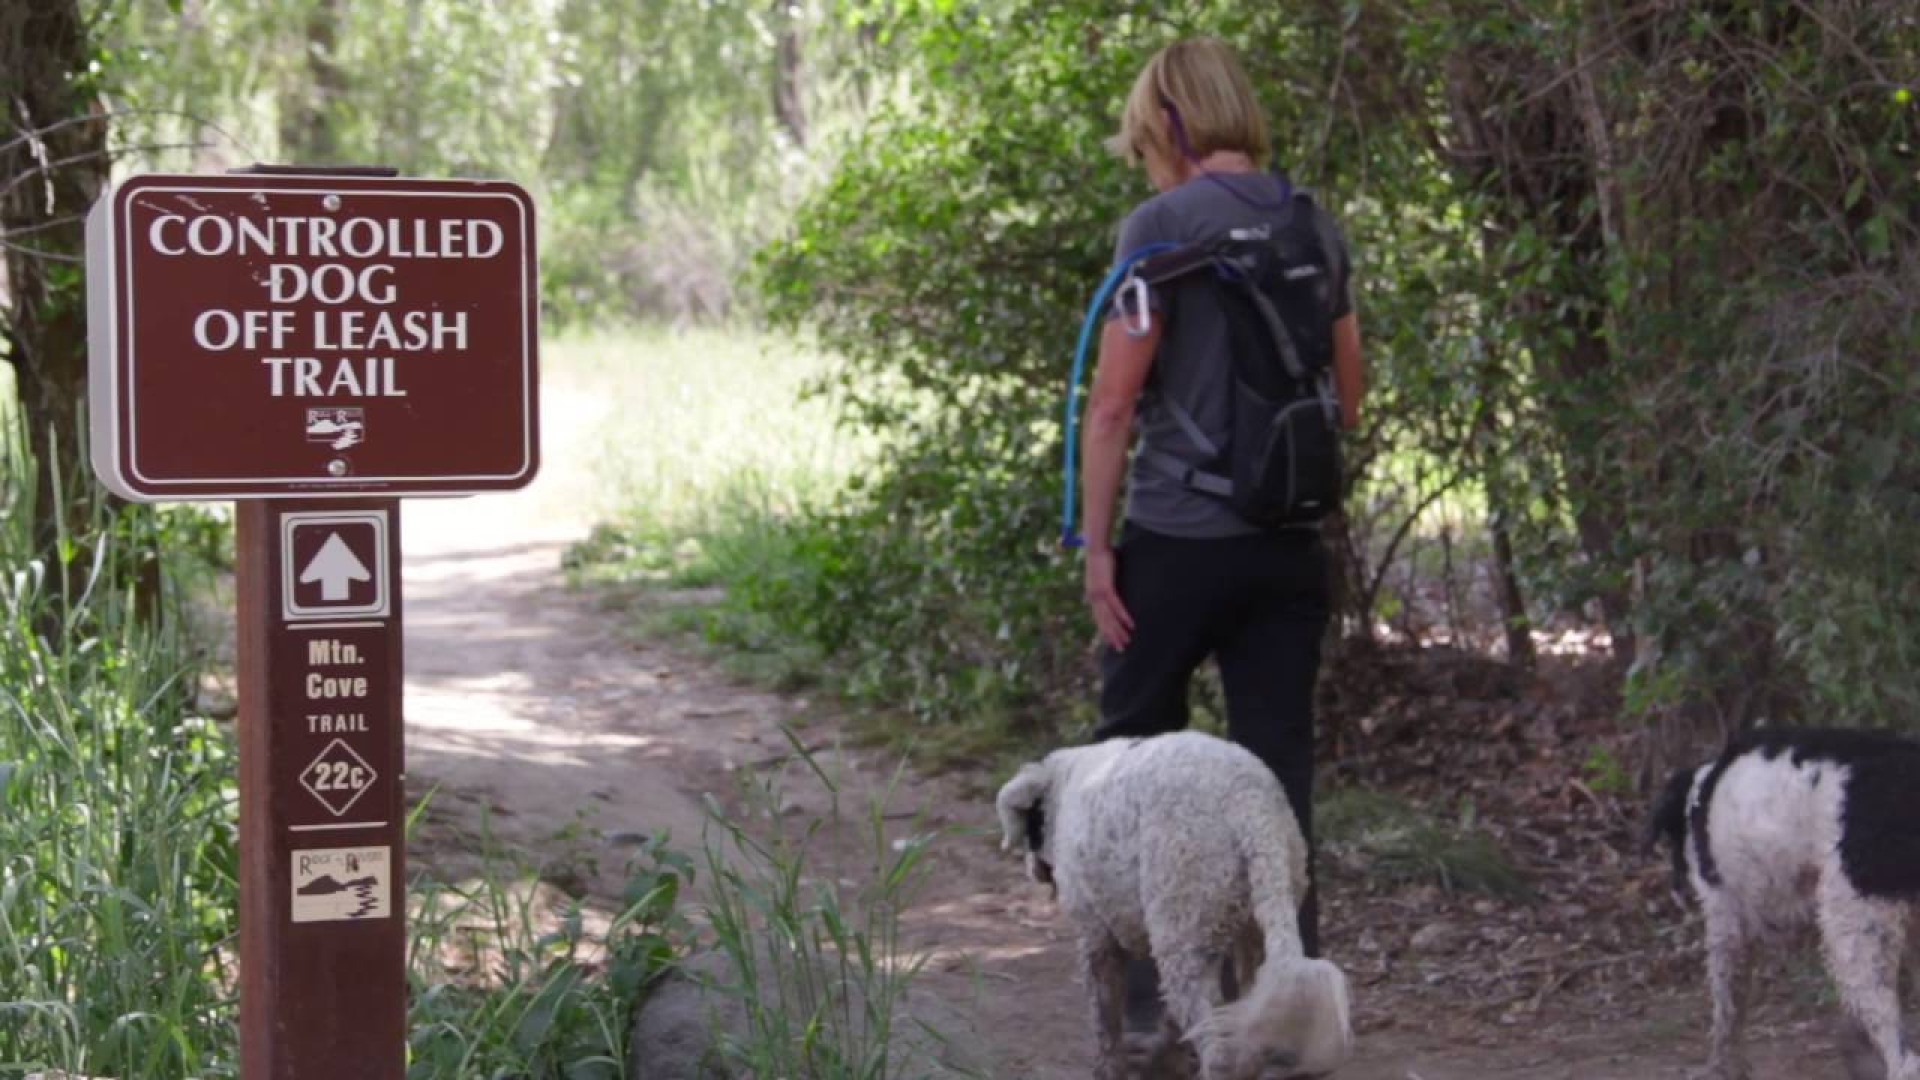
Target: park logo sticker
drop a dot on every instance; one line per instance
(337, 428)
(342, 884)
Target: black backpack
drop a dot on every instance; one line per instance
(1281, 465)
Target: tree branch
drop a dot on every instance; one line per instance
(92, 155)
(39, 253)
(27, 135)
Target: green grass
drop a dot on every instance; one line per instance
(819, 966)
(1397, 842)
(117, 842)
(705, 428)
(710, 453)
(512, 977)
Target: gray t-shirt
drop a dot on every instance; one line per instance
(1192, 365)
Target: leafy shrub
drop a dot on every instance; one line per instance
(1622, 303)
(948, 261)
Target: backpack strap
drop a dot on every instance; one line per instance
(1174, 468)
(1276, 329)
(1188, 476)
(1190, 427)
(1219, 256)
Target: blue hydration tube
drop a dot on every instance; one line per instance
(1069, 535)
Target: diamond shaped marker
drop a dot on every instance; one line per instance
(338, 777)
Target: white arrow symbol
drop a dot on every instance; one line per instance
(334, 567)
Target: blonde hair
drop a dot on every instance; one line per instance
(1209, 91)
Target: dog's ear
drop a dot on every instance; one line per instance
(1669, 818)
(1019, 799)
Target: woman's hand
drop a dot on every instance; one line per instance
(1103, 598)
(1117, 379)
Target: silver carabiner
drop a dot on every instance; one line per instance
(1142, 314)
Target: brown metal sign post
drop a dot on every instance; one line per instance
(313, 345)
(322, 798)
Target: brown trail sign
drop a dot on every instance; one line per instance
(280, 335)
(313, 345)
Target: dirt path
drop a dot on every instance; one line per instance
(529, 705)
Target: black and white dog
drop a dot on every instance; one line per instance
(1791, 828)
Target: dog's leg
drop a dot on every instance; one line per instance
(1171, 1058)
(1865, 942)
(1190, 979)
(1726, 980)
(1104, 966)
(1857, 1050)
(1858, 1053)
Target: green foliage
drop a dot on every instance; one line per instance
(1623, 303)
(1764, 349)
(116, 810)
(1605, 773)
(821, 969)
(507, 980)
(1391, 840)
(644, 128)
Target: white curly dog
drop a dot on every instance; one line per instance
(1182, 847)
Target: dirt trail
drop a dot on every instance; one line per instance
(528, 703)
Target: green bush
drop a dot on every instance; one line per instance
(948, 263)
(1671, 359)
(1391, 840)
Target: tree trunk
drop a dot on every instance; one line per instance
(1506, 587)
(1523, 133)
(53, 165)
(307, 135)
(789, 86)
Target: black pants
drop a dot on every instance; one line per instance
(1259, 606)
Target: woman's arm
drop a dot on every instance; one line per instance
(1118, 376)
(1349, 371)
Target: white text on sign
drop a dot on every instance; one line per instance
(327, 687)
(332, 651)
(304, 360)
(337, 777)
(336, 723)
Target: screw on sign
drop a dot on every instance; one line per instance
(312, 345)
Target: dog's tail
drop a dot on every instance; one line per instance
(1668, 821)
(1296, 1012)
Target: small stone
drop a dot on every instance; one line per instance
(1433, 937)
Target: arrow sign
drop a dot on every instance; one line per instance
(335, 567)
(334, 564)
